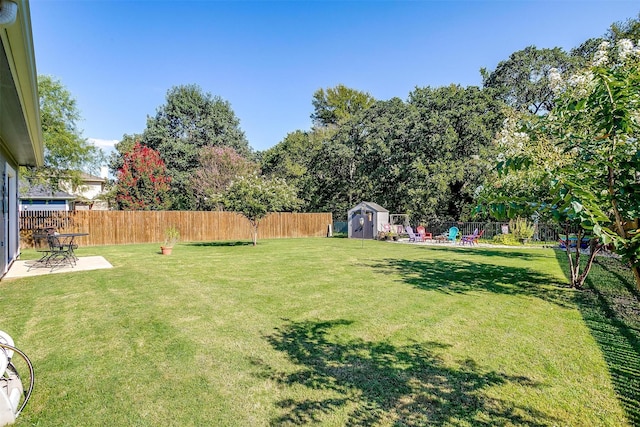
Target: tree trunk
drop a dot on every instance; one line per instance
(578, 278)
(255, 233)
(636, 274)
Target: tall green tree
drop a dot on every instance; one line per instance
(67, 152)
(452, 141)
(189, 120)
(336, 104)
(378, 139)
(425, 157)
(332, 185)
(628, 29)
(255, 197)
(291, 159)
(522, 80)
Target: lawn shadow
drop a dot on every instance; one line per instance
(377, 382)
(610, 307)
(462, 276)
(512, 252)
(221, 244)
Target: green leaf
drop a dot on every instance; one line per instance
(577, 206)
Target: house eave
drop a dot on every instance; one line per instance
(20, 128)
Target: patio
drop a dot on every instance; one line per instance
(27, 268)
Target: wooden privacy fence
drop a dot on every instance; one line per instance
(124, 227)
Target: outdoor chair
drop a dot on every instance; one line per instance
(453, 234)
(470, 238)
(422, 232)
(585, 242)
(412, 236)
(60, 252)
(565, 242)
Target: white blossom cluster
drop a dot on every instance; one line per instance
(555, 80)
(510, 141)
(627, 49)
(601, 56)
(581, 82)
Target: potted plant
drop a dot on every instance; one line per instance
(171, 236)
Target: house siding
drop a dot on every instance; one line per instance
(9, 239)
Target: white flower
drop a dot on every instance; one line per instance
(625, 48)
(500, 157)
(601, 57)
(555, 80)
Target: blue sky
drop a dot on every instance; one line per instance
(267, 58)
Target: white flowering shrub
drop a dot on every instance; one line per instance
(587, 150)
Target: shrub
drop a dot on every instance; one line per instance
(505, 239)
(522, 229)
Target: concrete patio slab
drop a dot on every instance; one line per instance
(28, 268)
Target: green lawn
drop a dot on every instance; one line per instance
(323, 331)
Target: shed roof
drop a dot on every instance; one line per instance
(371, 205)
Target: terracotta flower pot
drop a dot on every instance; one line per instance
(166, 250)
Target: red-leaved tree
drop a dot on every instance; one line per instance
(143, 183)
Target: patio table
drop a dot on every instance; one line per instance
(68, 240)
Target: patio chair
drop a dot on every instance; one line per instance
(585, 242)
(61, 252)
(412, 236)
(422, 232)
(470, 238)
(564, 242)
(453, 234)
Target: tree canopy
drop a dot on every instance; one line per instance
(189, 120)
(422, 157)
(219, 166)
(143, 183)
(337, 104)
(522, 82)
(66, 151)
(255, 197)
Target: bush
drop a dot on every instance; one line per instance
(505, 239)
(522, 229)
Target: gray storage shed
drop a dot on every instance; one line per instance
(374, 216)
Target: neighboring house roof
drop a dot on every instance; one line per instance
(20, 128)
(41, 192)
(87, 178)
